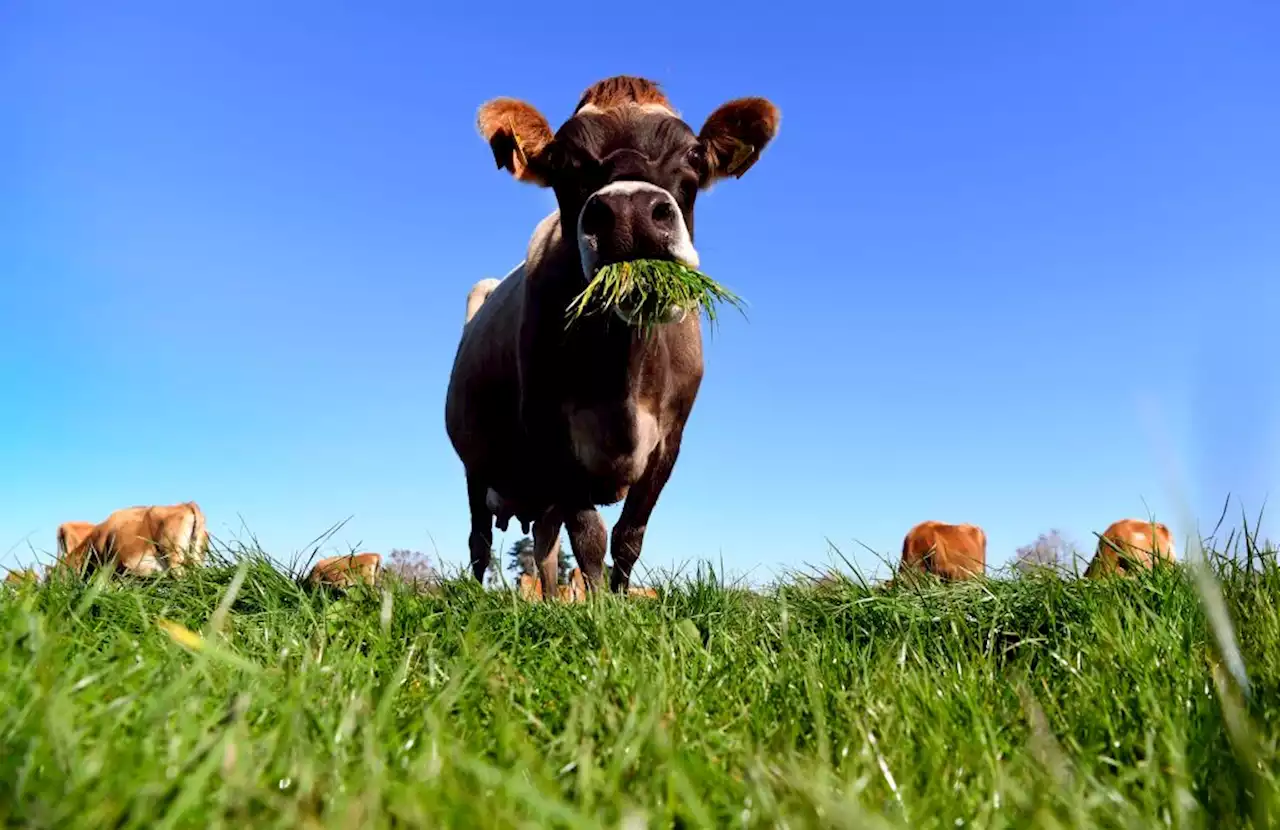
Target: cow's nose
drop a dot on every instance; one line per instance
(597, 215)
(641, 214)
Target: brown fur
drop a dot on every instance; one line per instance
(948, 551)
(575, 590)
(145, 540)
(620, 90)
(19, 577)
(644, 592)
(345, 571)
(515, 132)
(555, 421)
(1127, 546)
(530, 587)
(70, 535)
(736, 133)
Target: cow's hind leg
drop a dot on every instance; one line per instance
(481, 539)
(546, 551)
(628, 533)
(588, 538)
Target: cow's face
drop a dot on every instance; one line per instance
(625, 168)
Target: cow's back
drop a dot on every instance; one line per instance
(949, 551)
(482, 401)
(1128, 545)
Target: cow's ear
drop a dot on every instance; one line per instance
(519, 136)
(734, 135)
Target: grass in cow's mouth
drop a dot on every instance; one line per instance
(647, 288)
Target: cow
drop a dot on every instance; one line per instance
(1130, 545)
(145, 540)
(478, 294)
(551, 421)
(575, 590)
(530, 587)
(19, 577)
(948, 551)
(345, 571)
(69, 536)
(643, 592)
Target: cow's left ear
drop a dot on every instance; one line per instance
(734, 135)
(519, 137)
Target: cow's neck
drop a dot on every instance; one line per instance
(598, 358)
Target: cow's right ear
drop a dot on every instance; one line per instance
(519, 136)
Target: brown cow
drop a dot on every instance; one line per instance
(19, 577)
(575, 590)
(345, 571)
(530, 587)
(145, 540)
(1129, 545)
(948, 551)
(70, 535)
(550, 422)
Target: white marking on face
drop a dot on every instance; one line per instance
(657, 109)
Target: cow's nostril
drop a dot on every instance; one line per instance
(596, 216)
(663, 213)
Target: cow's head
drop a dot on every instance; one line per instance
(625, 168)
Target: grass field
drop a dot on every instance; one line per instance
(1024, 702)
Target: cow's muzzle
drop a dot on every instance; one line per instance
(633, 220)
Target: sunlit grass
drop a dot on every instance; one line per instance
(235, 698)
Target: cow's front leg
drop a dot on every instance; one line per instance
(628, 533)
(588, 538)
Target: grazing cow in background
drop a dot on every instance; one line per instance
(70, 535)
(24, 575)
(145, 540)
(645, 592)
(530, 587)
(478, 294)
(1129, 545)
(550, 422)
(345, 571)
(575, 590)
(948, 551)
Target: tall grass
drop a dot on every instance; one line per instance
(235, 698)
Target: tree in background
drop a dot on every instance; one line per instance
(412, 567)
(1050, 550)
(520, 560)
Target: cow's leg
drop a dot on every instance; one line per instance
(628, 533)
(588, 538)
(481, 539)
(546, 551)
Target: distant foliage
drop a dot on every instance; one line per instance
(520, 560)
(412, 567)
(1050, 550)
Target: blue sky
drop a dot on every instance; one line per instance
(235, 245)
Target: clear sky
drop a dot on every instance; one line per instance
(235, 244)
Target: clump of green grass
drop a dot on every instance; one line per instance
(644, 289)
(236, 698)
